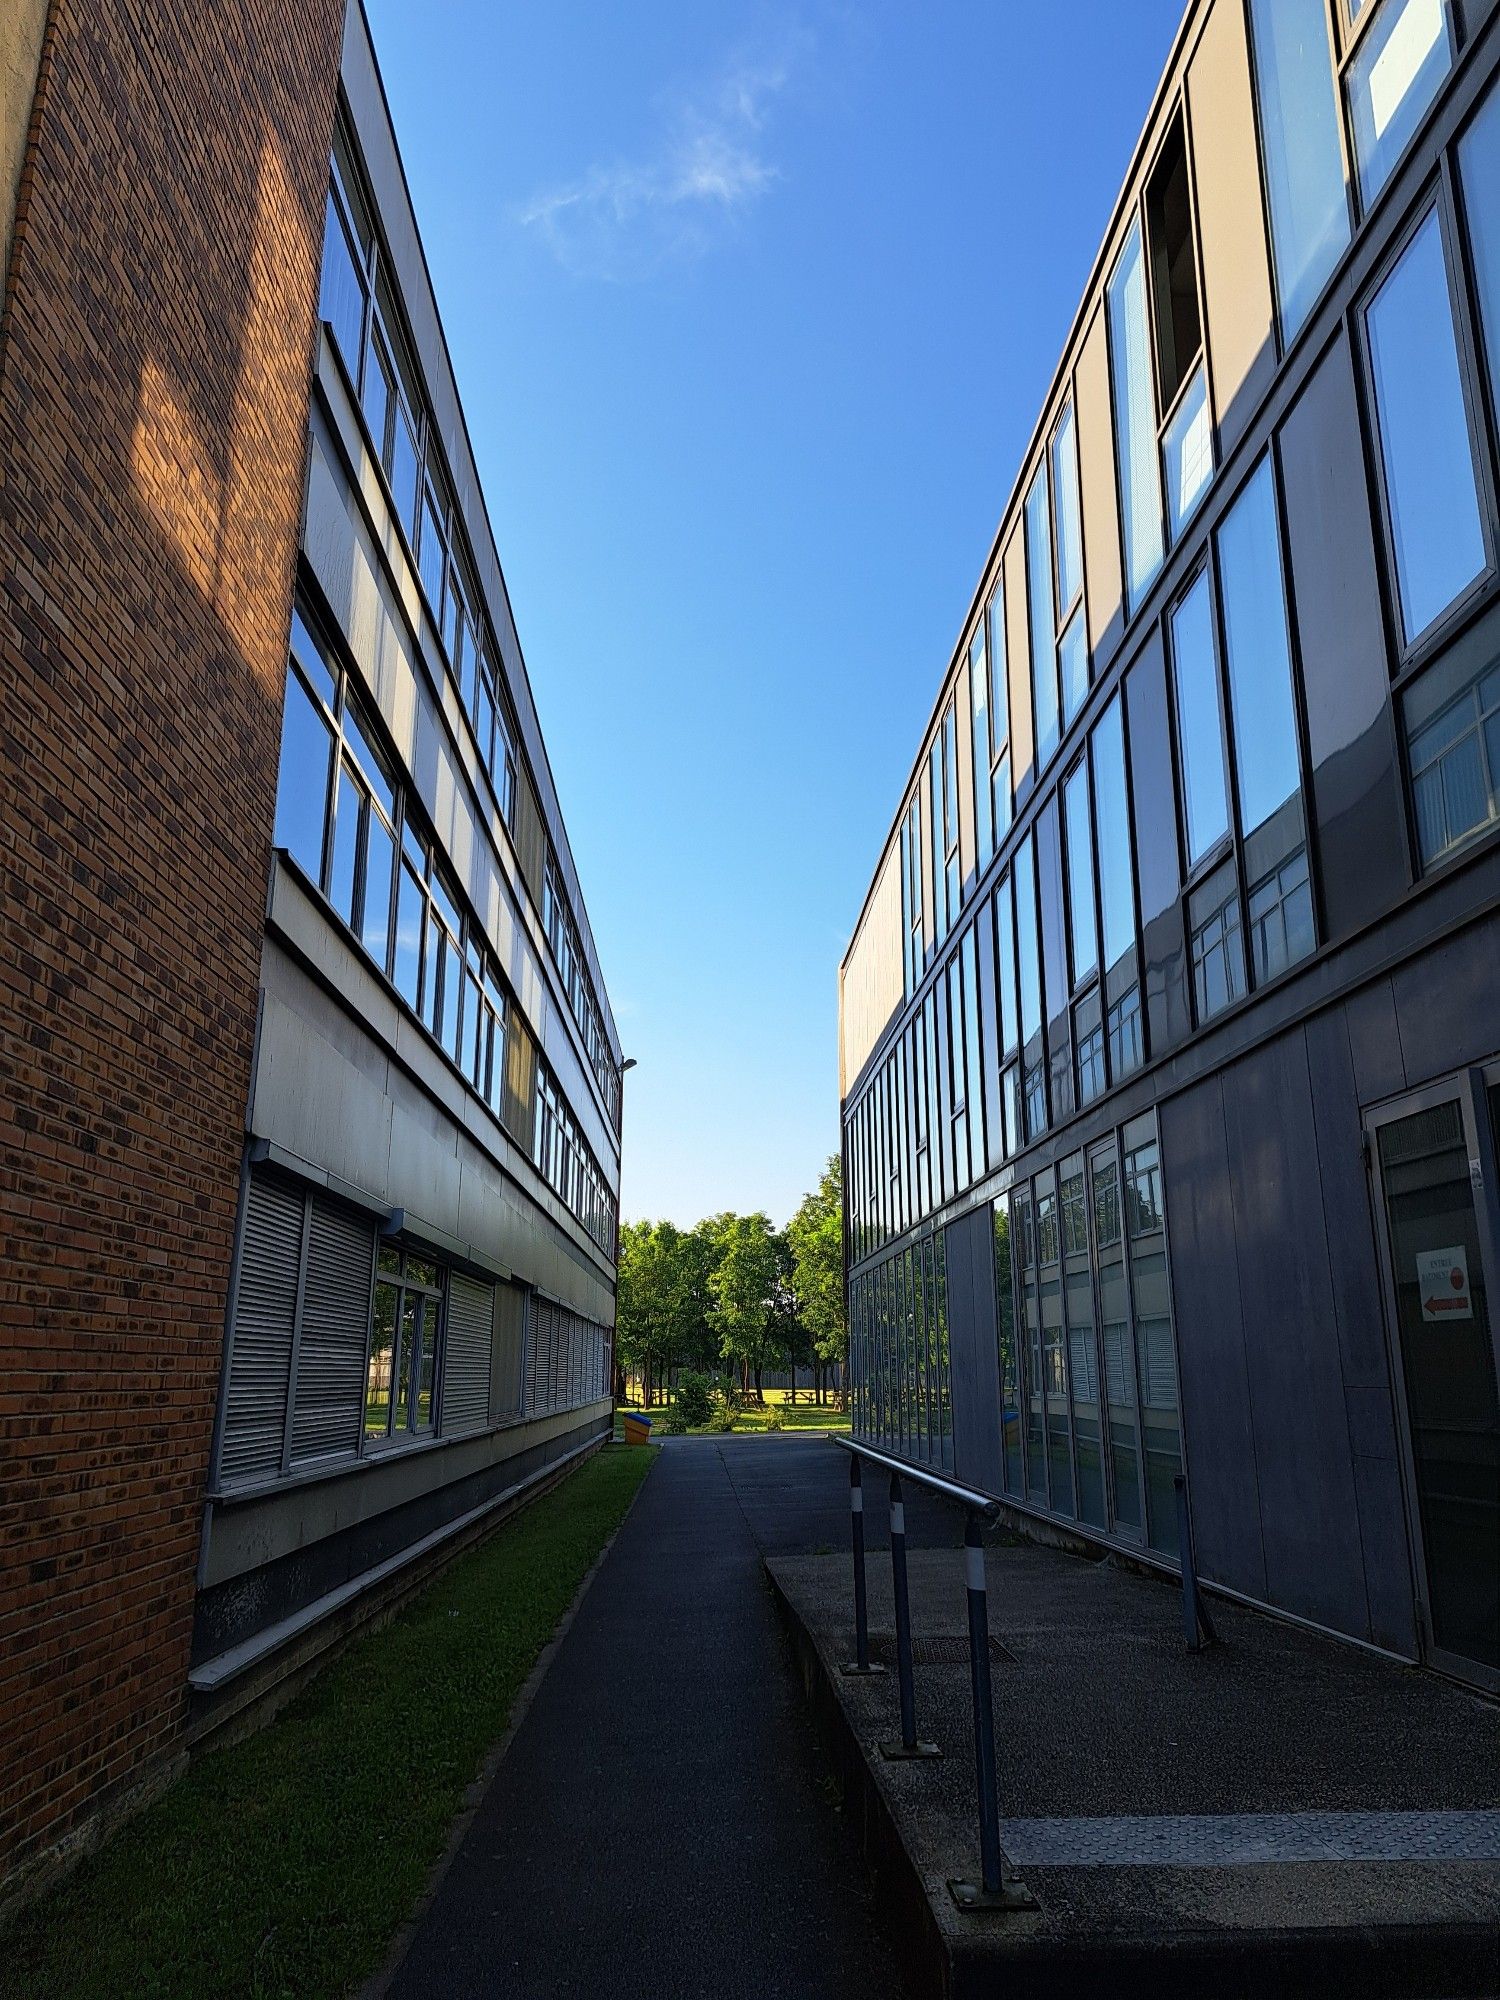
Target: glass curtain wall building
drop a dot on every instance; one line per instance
(1173, 1010)
(422, 1304)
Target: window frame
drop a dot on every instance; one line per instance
(1440, 196)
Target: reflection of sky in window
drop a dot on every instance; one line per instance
(1260, 666)
(1424, 436)
(1303, 157)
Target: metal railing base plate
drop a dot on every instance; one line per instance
(895, 1751)
(853, 1667)
(1012, 1894)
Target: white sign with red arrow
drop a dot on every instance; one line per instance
(1443, 1284)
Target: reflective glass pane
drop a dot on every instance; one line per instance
(1065, 503)
(1135, 416)
(1111, 810)
(1479, 167)
(1188, 451)
(1424, 433)
(345, 844)
(1259, 652)
(380, 860)
(1454, 743)
(1043, 618)
(1027, 959)
(1205, 802)
(1082, 928)
(405, 469)
(1392, 79)
(1304, 165)
(1005, 964)
(1073, 662)
(341, 292)
(411, 905)
(382, 1350)
(302, 780)
(979, 739)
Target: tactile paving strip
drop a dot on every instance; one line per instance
(1230, 1840)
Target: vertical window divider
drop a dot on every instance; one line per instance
(291, 1366)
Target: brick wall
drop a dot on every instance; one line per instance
(154, 359)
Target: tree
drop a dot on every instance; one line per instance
(741, 1288)
(816, 1235)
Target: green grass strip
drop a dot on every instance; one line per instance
(281, 1867)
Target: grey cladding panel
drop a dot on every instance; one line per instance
(467, 1355)
(1446, 1002)
(265, 1311)
(335, 1329)
(1291, 1338)
(1218, 1433)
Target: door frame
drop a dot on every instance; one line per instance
(1468, 1088)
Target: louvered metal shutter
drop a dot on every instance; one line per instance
(466, 1355)
(260, 1350)
(537, 1311)
(335, 1326)
(509, 1345)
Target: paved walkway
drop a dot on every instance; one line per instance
(662, 1822)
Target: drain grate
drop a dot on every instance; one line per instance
(945, 1650)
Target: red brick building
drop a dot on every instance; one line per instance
(164, 196)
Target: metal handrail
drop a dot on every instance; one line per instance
(997, 1887)
(964, 1496)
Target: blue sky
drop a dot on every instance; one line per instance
(752, 308)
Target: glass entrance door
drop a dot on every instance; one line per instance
(1436, 1160)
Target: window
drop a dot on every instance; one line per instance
(1479, 171)
(1301, 150)
(302, 779)
(1135, 419)
(1200, 740)
(402, 1380)
(1257, 650)
(1187, 443)
(1454, 744)
(1005, 964)
(979, 739)
(999, 705)
(974, 1052)
(1082, 928)
(1067, 514)
(1432, 505)
(958, 1103)
(1281, 917)
(942, 788)
(1116, 892)
(1217, 948)
(911, 892)
(1398, 61)
(1043, 618)
(341, 290)
(1028, 964)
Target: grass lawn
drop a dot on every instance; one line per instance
(282, 1866)
(803, 1415)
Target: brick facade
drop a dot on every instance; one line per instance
(153, 403)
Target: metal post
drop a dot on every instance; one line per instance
(1197, 1626)
(908, 1746)
(860, 1664)
(994, 1890)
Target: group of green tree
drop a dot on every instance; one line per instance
(734, 1296)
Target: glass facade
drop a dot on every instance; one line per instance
(1200, 796)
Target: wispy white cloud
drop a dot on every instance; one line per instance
(627, 219)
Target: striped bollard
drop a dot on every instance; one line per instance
(996, 1889)
(860, 1664)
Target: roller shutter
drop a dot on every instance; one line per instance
(466, 1355)
(335, 1327)
(260, 1350)
(506, 1383)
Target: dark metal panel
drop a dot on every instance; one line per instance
(1308, 1503)
(1375, 1042)
(1446, 1002)
(1218, 1432)
(971, 1336)
(1356, 786)
(1153, 797)
(1370, 1417)
(1054, 958)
